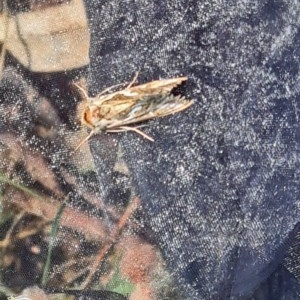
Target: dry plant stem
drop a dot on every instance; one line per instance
(110, 241)
(79, 274)
(91, 227)
(72, 264)
(4, 45)
(4, 243)
(27, 233)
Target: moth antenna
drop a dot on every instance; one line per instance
(116, 85)
(82, 90)
(136, 130)
(133, 80)
(84, 140)
(109, 88)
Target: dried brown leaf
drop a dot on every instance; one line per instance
(52, 39)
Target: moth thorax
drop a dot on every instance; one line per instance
(87, 118)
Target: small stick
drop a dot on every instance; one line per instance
(7, 240)
(110, 241)
(4, 45)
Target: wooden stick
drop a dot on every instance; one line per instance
(110, 241)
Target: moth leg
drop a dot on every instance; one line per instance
(109, 88)
(82, 90)
(133, 80)
(116, 85)
(135, 129)
(84, 140)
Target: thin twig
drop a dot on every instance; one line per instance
(4, 45)
(7, 240)
(53, 235)
(111, 240)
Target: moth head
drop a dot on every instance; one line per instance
(93, 118)
(87, 117)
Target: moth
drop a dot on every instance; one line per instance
(118, 111)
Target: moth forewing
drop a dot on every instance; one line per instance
(113, 112)
(169, 105)
(159, 86)
(135, 93)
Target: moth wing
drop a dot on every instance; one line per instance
(167, 105)
(133, 94)
(163, 86)
(118, 106)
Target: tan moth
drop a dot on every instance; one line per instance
(117, 111)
